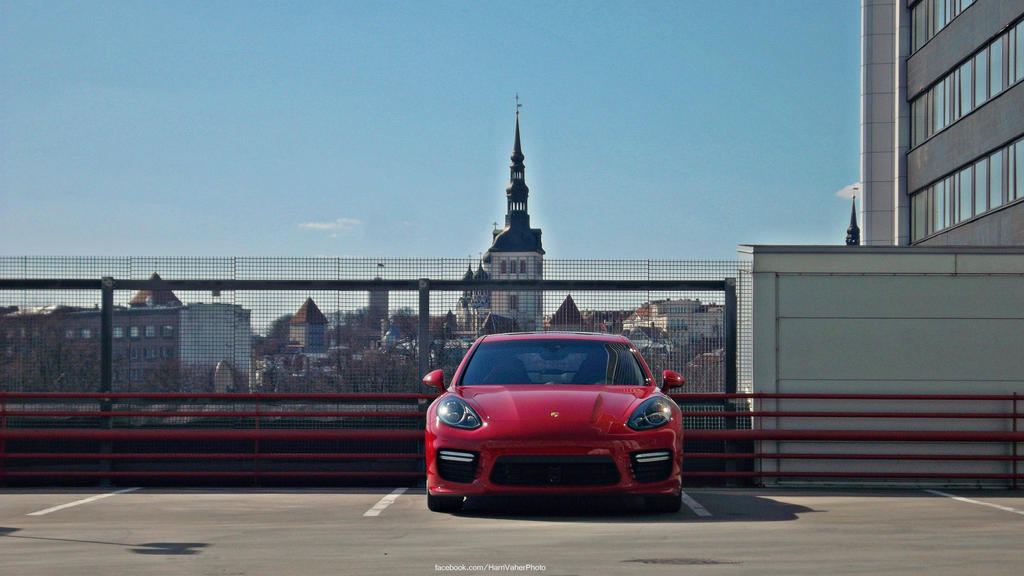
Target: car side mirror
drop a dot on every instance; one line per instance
(671, 379)
(435, 380)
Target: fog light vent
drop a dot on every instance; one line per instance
(652, 466)
(456, 466)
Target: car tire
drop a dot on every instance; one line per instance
(664, 503)
(444, 503)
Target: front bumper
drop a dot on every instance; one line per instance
(630, 463)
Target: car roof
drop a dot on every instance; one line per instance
(587, 336)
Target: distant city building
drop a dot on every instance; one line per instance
(475, 304)
(307, 329)
(158, 342)
(378, 309)
(567, 317)
(942, 127)
(677, 319)
(392, 336)
(211, 333)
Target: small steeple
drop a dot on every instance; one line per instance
(853, 232)
(517, 148)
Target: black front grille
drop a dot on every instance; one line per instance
(456, 466)
(651, 466)
(555, 471)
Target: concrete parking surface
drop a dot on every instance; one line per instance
(389, 531)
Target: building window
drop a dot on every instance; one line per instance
(995, 68)
(134, 332)
(135, 354)
(964, 198)
(86, 333)
(1019, 51)
(984, 186)
(938, 204)
(919, 27)
(938, 106)
(150, 331)
(981, 186)
(118, 333)
(919, 207)
(167, 331)
(522, 266)
(995, 180)
(1019, 169)
(992, 70)
(1011, 56)
(919, 120)
(69, 334)
(929, 17)
(966, 94)
(513, 302)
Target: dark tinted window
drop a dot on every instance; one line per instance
(553, 362)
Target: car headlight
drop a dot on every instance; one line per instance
(457, 414)
(651, 414)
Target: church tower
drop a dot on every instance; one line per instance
(516, 252)
(853, 232)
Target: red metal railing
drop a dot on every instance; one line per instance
(900, 431)
(210, 436)
(373, 436)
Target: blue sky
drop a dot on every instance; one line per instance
(666, 130)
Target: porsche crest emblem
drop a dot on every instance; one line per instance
(554, 414)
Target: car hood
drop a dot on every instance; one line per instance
(582, 404)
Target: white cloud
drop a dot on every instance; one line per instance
(335, 226)
(849, 191)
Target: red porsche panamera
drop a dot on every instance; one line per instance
(549, 413)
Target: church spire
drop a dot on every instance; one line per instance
(853, 232)
(516, 236)
(517, 192)
(517, 148)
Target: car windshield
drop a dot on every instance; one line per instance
(549, 361)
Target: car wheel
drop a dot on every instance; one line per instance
(444, 503)
(664, 503)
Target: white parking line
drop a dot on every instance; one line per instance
(82, 501)
(979, 502)
(385, 502)
(695, 506)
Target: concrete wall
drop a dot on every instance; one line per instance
(880, 121)
(890, 320)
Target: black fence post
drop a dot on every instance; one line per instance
(423, 331)
(106, 364)
(730, 319)
(107, 335)
(730, 369)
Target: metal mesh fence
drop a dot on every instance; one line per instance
(323, 340)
